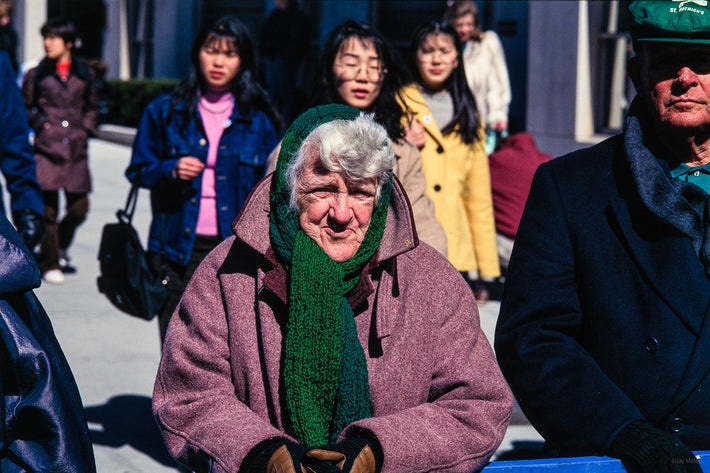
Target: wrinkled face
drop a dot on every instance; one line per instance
(55, 48)
(437, 59)
(464, 27)
(219, 62)
(358, 73)
(334, 211)
(674, 79)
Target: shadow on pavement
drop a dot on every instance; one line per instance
(128, 420)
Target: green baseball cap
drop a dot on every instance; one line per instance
(678, 21)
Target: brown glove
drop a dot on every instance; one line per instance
(351, 455)
(291, 458)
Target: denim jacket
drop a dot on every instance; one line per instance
(241, 159)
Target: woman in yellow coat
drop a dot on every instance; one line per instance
(441, 114)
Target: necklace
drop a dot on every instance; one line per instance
(216, 110)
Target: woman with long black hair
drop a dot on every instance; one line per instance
(357, 67)
(200, 150)
(454, 159)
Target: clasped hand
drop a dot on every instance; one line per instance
(350, 455)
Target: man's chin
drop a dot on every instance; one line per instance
(685, 126)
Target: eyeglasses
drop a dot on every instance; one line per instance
(349, 71)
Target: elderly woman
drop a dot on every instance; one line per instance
(324, 335)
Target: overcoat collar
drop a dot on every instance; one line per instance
(48, 67)
(416, 105)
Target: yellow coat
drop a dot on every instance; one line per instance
(459, 182)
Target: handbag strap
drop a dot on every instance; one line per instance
(125, 215)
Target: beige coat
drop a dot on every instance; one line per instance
(487, 76)
(408, 170)
(459, 182)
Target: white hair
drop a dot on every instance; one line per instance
(359, 149)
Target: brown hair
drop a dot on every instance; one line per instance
(455, 9)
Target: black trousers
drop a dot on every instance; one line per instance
(179, 275)
(59, 233)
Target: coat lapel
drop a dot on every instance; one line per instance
(671, 266)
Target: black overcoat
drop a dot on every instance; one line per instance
(42, 423)
(604, 315)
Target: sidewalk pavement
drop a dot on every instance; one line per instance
(114, 357)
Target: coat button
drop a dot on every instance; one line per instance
(676, 425)
(65, 141)
(651, 345)
(187, 231)
(193, 201)
(203, 141)
(440, 149)
(65, 123)
(437, 188)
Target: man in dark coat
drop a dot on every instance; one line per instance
(63, 109)
(42, 424)
(604, 329)
(16, 161)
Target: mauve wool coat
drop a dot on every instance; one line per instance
(439, 399)
(63, 115)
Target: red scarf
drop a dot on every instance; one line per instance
(63, 70)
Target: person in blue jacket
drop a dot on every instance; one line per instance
(200, 151)
(42, 423)
(604, 326)
(17, 162)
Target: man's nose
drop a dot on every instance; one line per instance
(686, 76)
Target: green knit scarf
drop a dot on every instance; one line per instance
(325, 369)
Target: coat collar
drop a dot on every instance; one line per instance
(400, 236)
(666, 256)
(414, 102)
(78, 68)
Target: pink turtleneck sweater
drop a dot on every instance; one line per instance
(215, 106)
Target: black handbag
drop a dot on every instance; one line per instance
(126, 279)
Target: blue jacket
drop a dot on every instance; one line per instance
(241, 160)
(605, 317)
(42, 424)
(17, 161)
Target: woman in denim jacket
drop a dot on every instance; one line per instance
(200, 150)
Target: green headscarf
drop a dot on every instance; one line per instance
(325, 369)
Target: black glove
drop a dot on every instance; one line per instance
(353, 454)
(29, 226)
(643, 448)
